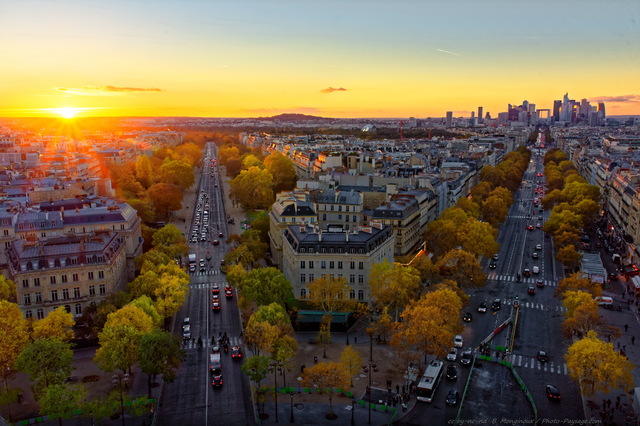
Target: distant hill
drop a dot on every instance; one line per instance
(296, 117)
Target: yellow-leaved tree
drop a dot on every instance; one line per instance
(260, 335)
(575, 282)
(393, 286)
(7, 289)
(325, 377)
(597, 367)
(58, 324)
(14, 336)
(351, 360)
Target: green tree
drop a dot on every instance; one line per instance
(159, 352)
(14, 336)
(144, 172)
(145, 303)
(47, 361)
(251, 160)
(58, 324)
(62, 401)
(252, 189)
(166, 198)
(143, 208)
(167, 236)
(266, 285)
(177, 172)
(282, 170)
(284, 351)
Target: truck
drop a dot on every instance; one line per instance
(192, 262)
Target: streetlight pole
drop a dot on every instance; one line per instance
(117, 379)
(291, 415)
(275, 386)
(353, 422)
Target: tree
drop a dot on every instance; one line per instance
(144, 172)
(463, 268)
(266, 285)
(469, 206)
(325, 377)
(429, 324)
(255, 368)
(584, 318)
(330, 294)
(177, 172)
(393, 286)
(576, 282)
(351, 360)
(282, 170)
(7, 289)
(493, 175)
(143, 208)
(283, 351)
(597, 367)
(574, 298)
(260, 335)
(276, 315)
(13, 337)
(252, 189)
(189, 152)
(145, 284)
(429, 272)
(251, 160)
(324, 333)
(171, 294)
(228, 153)
(235, 274)
(166, 198)
(167, 236)
(145, 303)
(383, 325)
(47, 361)
(58, 324)
(62, 400)
(569, 256)
(494, 210)
(159, 352)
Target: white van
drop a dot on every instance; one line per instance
(605, 301)
(536, 270)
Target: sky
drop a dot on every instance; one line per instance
(331, 58)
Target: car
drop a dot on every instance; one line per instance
(216, 242)
(613, 276)
(536, 269)
(457, 341)
(236, 352)
(467, 317)
(553, 392)
(215, 349)
(526, 273)
(531, 290)
(540, 283)
(186, 332)
(208, 255)
(466, 357)
(452, 372)
(495, 256)
(534, 255)
(215, 306)
(492, 265)
(220, 234)
(192, 268)
(542, 356)
(228, 294)
(452, 355)
(215, 297)
(227, 286)
(539, 217)
(538, 225)
(530, 228)
(203, 237)
(482, 307)
(496, 305)
(216, 382)
(215, 289)
(538, 246)
(194, 239)
(452, 398)
(203, 268)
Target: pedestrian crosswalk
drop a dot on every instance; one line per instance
(525, 304)
(209, 272)
(527, 280)
(533, 363)
(207, 286)
(206, 343)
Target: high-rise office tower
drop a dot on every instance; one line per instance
(601, 113)
(557, 105)
(480, 114)
(449, 121)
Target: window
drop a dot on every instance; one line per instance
(36, 282)
(43, 234)
(6, 232)
(38, 296)
(311, 264)
(352, 294)
(340, 208)
(311, 277)
(92, 290)
(323, 264)
(302, 264)
(76, 292)
(360, 294)
(339, 217)
(346, 208)
(352, 279)
(354, 217)
(63, 279)
(352, 265)
(67, 308)
(103, 289)
(347, 217)
(90, 275)
(324, 216)
(52, 280)
(54, 295)
(303, 278)
(340, 264)
(332, 207)
(28, 314)
(303, 293)
(25, 283)
(78, 309)
(40, 313)
(65, 293)
(360, 279)
(101, 275)
(26, 299)
(331, 264)
(360, 265)
(74, 277)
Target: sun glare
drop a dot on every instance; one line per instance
(67, 112)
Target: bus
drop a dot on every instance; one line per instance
(429, 381)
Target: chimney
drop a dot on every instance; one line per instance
(320, 235)
(347, 235)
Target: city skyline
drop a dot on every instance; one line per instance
(350, 59)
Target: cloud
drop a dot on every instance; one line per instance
(104, 90)
(620, 99)
(300, 110)
(333, 89)
(447, 51)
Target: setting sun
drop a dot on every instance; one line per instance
(66, 112)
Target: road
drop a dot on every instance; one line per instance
(191, 399)
(493, 392)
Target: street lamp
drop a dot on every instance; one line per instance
(353, 422)
(291, 414)
(274, 366)
(117, 379)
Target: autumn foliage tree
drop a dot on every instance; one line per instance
(463, 268)
(325, 377)
(351, 360)
(597, 367)
(393, 286)
(58, 324)
(252, 189)
(576, 282)
(14, 337)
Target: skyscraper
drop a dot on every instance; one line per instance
(479, 114)
(449, 121)
(601, 112)
(557, 105)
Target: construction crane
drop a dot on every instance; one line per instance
(400, 124)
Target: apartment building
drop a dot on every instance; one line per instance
(69, 271)
(339, 209)
(290, 208)
(309, 253)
